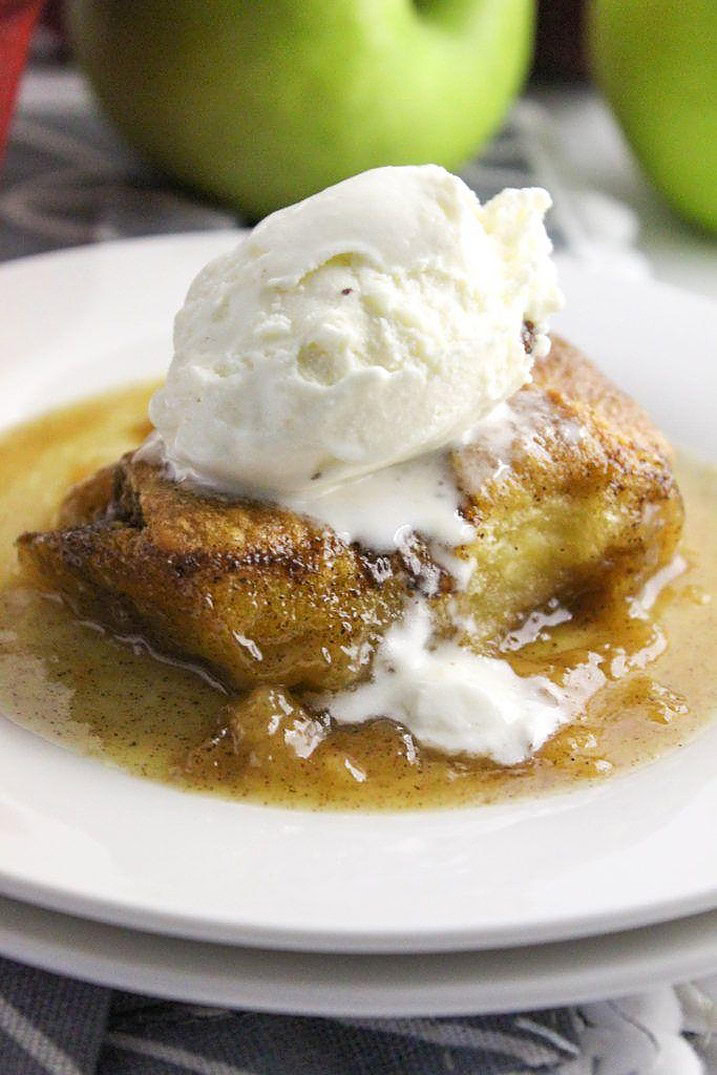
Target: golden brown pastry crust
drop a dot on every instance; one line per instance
(588, 508)
(586, 505)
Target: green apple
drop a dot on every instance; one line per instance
(262, 102)
(656, 61)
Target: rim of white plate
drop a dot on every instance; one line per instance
(85, 838)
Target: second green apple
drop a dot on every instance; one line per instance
(261, 103)
(657, 63)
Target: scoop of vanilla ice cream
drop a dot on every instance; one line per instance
(372, 322)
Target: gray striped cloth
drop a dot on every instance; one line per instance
(58, 1026)
(68, 181)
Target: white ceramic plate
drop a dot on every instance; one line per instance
(298, 983)
(80, 837)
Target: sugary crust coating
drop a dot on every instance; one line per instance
(588, 506)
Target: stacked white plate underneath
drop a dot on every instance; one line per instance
(602, 891)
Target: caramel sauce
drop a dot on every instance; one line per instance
(72, 683)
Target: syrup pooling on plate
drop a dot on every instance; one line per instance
(76, 685)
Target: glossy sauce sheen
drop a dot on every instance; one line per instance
(73, 684)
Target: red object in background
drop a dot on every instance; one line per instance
(17, 20)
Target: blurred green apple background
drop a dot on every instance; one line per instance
(257, 103)
(656, 61)
(262, 102)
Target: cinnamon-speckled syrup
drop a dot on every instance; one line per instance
(73, 684)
